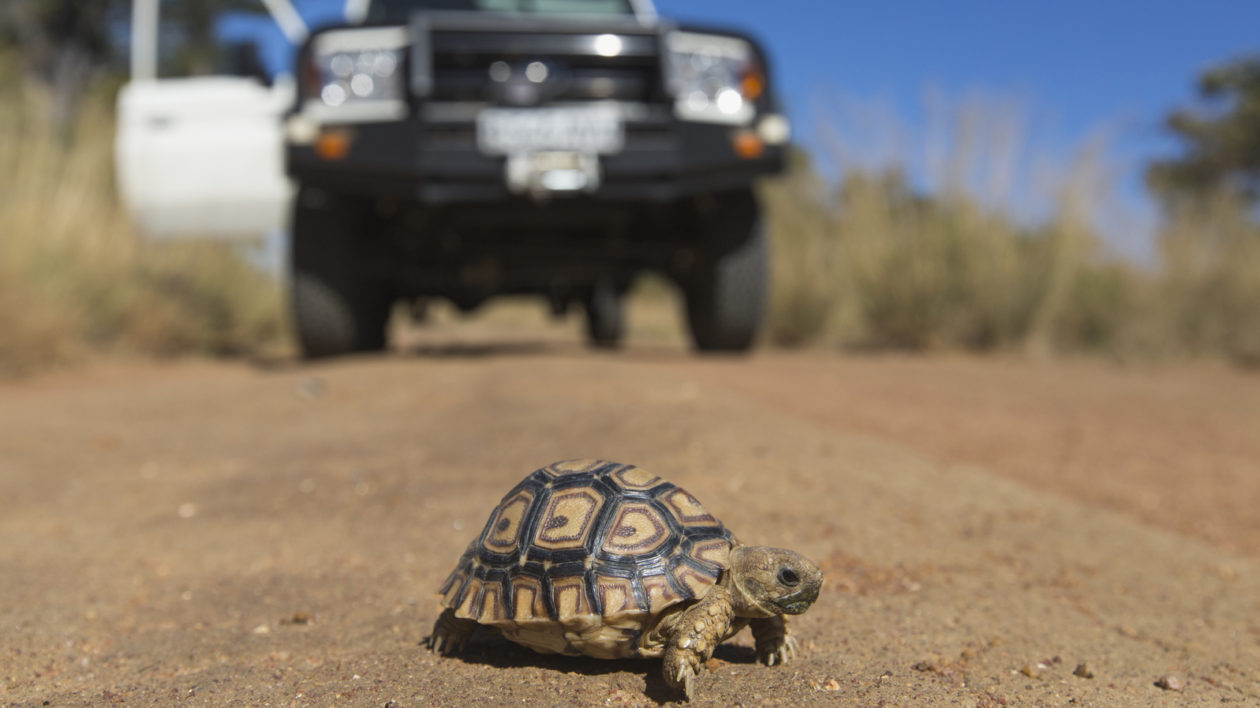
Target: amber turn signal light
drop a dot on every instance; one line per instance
(748, 144)
(333, 144)
(752, 85)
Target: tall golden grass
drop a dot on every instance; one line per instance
(74, 276)
(871, 262)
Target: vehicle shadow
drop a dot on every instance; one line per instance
(491, 649)
(436, 350)
(549, 348)
(480, 350)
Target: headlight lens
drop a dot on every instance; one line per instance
(357, 74)
(714, 79)
(353, 76)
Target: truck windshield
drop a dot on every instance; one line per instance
(401, 9)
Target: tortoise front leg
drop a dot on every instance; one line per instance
(450, 633)
(775, 645)
(695, 634)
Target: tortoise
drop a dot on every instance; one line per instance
(598, 558)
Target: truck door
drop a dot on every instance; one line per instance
(204, 156)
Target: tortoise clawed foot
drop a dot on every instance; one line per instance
(445, 644)
(775, 645)
(683, 678)
(440, 644)
(450, 634)
(781, 654)
(680, 671)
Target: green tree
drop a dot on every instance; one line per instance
(188, 33)
(68, 46)
(62, 44)
(1220, 136)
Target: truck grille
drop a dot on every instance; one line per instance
(494, 66)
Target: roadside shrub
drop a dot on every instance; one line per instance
(875, 262)
(75, 277)
(810, 297)
(1210, 284)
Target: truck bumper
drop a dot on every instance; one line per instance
(434, 159)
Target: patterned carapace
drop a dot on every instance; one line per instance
(588, 538)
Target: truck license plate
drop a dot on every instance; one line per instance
(513, 131)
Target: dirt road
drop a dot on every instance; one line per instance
(208, 534)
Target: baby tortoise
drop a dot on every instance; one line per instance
(610, 561)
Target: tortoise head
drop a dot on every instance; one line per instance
(772, 581)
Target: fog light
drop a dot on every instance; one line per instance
(775, 129)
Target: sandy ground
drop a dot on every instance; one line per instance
(213, 534)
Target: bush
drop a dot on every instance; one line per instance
(874, 263)
(75, 277)
(1210, 285)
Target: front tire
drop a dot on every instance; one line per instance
(726, 290)
(337, 307)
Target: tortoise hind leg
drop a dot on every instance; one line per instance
(693, 637)
(450, 633)
(775, 645)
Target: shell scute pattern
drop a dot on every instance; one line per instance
(588, 542)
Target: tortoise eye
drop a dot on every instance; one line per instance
(788, 577)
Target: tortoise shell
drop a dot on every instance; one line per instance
(584, 557)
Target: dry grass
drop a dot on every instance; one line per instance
(1209, 292)
(874, 262)
(74, 276)
(811, 296)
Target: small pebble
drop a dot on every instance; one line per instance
(1169, 683)
(1083, 671)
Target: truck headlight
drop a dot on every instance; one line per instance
(356, 75)
(714, 79)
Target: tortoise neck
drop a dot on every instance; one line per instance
(743, 604)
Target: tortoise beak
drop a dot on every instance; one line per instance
(798, 602)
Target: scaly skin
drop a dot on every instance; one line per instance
(696, 633)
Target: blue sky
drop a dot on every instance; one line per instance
(1071, 70)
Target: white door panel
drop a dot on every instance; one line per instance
(203, 157)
